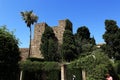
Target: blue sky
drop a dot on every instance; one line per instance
(89, 13)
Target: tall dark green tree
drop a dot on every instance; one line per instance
(112, 39)
(49, 46)
(30, 18)
(9, 55)
(83, 41)
(83, 33)
(68, 25)
(68, 46)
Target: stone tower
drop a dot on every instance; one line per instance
(38, 31)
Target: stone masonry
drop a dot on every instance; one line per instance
(38, 31)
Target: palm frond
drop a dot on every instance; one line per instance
(29, 17)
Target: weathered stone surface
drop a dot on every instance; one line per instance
(24, 53)
(36, 41)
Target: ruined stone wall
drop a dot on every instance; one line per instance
(36, 41)
(59, 30)
(38, 31)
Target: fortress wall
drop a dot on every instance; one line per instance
(59, 30)
(39, 30)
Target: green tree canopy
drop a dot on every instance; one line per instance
(9, 54)
(68, 46)
(112, 39)
(83, 41)
(83, 33)
(29, 17)
(68, 25)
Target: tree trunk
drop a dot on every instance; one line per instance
(29, 44)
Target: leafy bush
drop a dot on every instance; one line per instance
(9, 55)
(36, 66)
(96, 65)
(36, 70)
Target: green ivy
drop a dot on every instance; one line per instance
(96, 65)
(36, 66)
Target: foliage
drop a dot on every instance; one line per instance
(73, 73)
(68, 50)
(42, 75)
(116, 66)
(87, 48)
(84, 43)
(49, 46)
(9, 54)
(112, 39)
(37, 66)
(36, 70)
(54, 75)
(68, 46)
(83, 33)
(68, 25)
(96, 65)
(92, 41)
(32, 75)
(29, 19)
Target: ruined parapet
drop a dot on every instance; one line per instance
(38, 31)
(59, 30)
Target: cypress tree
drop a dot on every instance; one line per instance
(68, 46)
(49, 46)
(112, 39)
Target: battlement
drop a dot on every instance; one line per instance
(62, 23)
(39, 30)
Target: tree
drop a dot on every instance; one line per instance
(83, 33)
(30, 18)
(68, 46)
(112, 39)
(49, 46)
(68, 25)
(84, 43)
(9, 55)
